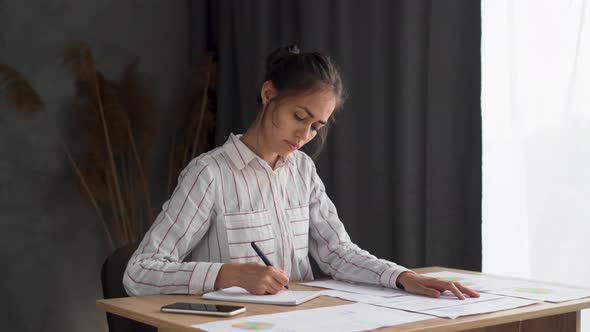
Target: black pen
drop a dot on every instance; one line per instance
(263, 257)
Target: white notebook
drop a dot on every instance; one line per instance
(286, 297)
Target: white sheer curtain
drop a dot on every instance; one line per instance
(536, 140)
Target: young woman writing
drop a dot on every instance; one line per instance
(258, 187)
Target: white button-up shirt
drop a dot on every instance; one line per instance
(230, 197)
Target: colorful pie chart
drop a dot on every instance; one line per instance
(534, 290)
(252, 326)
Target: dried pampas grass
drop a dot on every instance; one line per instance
(19, 91)
(117, 122)
(196, 119)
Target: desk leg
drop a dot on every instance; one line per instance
(569, 322)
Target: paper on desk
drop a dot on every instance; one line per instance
(540, 291)
(354, 297)
(477, 282)
(345, 318)
(544, 292)
(448, 306)
(356, 288)
(503, 303)
(446, 299)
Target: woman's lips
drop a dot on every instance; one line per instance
(292, 145)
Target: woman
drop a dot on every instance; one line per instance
(260, 188)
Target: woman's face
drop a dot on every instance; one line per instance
(293, 121)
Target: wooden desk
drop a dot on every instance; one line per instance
(540, 317)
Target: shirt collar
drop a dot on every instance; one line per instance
(241, 155)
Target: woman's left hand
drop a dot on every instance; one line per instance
(423, 285)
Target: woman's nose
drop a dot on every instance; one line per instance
(303, 132)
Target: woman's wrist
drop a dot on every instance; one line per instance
(228, 276)
(402, 278)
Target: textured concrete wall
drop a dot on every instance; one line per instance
(51, 245)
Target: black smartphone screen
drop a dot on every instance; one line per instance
(202, 307)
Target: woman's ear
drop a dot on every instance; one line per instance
(267, 92)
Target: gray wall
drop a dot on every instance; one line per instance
(52, 246)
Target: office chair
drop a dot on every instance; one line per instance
(112, 287)
(315, 269)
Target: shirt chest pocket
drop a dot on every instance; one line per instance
(298, 218)
(246, 227)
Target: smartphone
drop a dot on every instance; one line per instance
(203, 309)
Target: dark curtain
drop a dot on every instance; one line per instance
(403, 162)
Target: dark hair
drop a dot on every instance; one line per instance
(294, 73)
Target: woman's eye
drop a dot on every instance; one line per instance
(298, 118)
(315, 128)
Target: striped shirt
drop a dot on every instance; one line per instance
(229, 197)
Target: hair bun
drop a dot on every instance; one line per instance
(280, 54)
(292, 49)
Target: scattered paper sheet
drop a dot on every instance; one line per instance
(503, 303)
(354, 297)
(345, 318)
(379, 307)
(540, 291)
(419, 303)
(477, 282)
(448, 306)
(356, 288)
(544, 292)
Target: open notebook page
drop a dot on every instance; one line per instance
(286, 297)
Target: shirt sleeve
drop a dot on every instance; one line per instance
(157, 265)
(333, 250)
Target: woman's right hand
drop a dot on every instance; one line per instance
(256, 278)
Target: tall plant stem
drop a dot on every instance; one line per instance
(122, 208)
(90, 196)
(201, 117)
(141, 173)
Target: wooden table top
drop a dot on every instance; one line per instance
(146, 309)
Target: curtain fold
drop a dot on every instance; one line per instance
(403, 162)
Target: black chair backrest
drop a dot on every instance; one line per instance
(112, 287)
(315, 269)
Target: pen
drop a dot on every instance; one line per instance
(263, 257)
